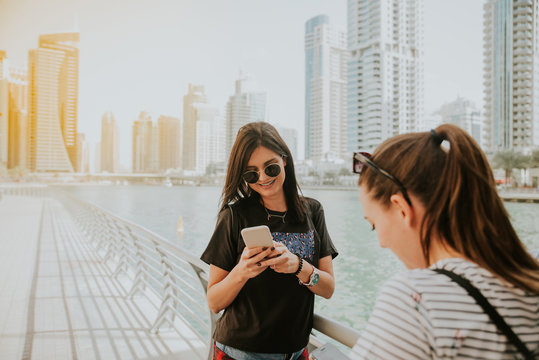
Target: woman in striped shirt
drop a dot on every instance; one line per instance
(434, 204)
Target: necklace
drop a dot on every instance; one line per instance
(275, 215)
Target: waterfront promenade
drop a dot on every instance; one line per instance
(59, 300)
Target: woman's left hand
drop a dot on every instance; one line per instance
(283, 261)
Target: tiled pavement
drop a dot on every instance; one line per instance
(59, 301)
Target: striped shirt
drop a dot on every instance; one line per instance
(421, 314)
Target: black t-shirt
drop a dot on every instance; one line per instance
(272, 313)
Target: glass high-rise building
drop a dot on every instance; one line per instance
(243, 107)
(511, 74)
(53, 77)
(144, 144)
(385, 70)
(18, 99)
(83, 154)
(195, 95)
(326, 59)
(110, 144)
(4, 108)
(463, 113)
(210, 137)
(168, 128)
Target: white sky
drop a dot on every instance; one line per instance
(141, 54)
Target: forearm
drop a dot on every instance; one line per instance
(223, 293)
(326, 281)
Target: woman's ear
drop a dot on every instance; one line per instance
(404, 209)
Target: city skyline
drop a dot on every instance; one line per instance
(113, 44)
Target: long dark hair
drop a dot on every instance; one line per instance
(251, 136)
(458, 189)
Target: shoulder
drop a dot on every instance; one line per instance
(418, 288)
(312, 204)
(244, 204)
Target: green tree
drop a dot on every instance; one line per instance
(345, 171)
(509, 160)
(534, 159)
(330, 178)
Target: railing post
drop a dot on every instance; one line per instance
(139, 283)
(169, 294)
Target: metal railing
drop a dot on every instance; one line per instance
(173, 280)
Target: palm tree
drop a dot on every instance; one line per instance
(509, 160)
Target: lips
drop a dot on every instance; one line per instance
(267, 184)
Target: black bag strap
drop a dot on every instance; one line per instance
(496, 318)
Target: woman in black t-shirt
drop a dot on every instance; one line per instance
(267, 294)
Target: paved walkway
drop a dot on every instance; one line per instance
(57, 299)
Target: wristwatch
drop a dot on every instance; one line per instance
(313, 279)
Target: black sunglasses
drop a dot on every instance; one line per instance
(252, 176)
(361, 159)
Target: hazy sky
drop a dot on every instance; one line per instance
(141, 54)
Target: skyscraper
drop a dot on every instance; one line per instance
(83, 154)
(53, 76)
(110, 143)
(290, 137)
(243, 107)
(210, 147)
(144, 147)
(4, 108)
(511, 74)
(18, 99)
(326, 59)
(464, 114)
(385, 71)
(194, 95)
(169, 142)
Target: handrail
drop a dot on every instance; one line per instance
(163, 271)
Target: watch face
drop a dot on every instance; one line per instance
(314, 278)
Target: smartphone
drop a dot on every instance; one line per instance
(257, 236)
(328, 352)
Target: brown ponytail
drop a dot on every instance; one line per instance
(458, 190)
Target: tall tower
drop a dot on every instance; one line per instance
(18, 100)
(511, 74)
(110, 143)
(210, 137)
(326, 59)
(243, 107)
(290, 137)
(144, 157)
(463, 113)
(4, 108)
(195, 95)
(385, 71)
(53, 75)
(83, 154)
(169, 142)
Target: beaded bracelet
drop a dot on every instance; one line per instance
(299, 266)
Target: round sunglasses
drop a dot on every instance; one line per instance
(252, 176)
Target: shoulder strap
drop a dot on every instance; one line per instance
(496, 318)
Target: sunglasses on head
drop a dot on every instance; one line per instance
(252, 176)
(362, 159)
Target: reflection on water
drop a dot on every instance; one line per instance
(360, 269)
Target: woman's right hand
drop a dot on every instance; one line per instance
(224, 286)
(249, 265)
